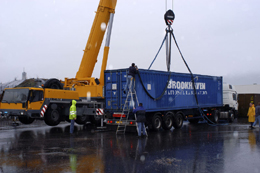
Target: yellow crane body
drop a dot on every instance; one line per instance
(52, 102)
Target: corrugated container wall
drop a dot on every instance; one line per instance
(178, 95)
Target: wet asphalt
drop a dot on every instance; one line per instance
(193, 148)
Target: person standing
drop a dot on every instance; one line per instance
(130, 76)
(140, 119)
(73, 115)
(257, 115)
(251, 114)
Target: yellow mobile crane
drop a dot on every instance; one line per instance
(51, 103)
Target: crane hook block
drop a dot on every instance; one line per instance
(169, 17)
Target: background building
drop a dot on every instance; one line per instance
(24, 82)
(247, 94)
(13, 83)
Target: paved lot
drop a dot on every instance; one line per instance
(194, 148)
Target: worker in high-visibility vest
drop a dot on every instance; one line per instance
(73, 115)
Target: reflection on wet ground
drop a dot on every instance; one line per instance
(194, 148)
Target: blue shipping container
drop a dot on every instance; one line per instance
(178, 95)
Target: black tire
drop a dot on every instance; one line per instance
(47, 122)
(215, 116)
(178, 120)
(95, 119)
(156, 122)
(167, 121)
(53, 84)
(194, 121)
(52, 117)
(26, 120)
(81, 120)
(231, 116)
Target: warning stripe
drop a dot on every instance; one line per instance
(170, 21)
(44, 108)
(99, 111)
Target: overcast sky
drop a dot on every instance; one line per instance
(47, 37)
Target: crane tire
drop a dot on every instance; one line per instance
(53, 84)
(26, 120)
(81, 120)
(52, 117)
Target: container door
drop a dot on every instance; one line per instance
(112, 90)
(123, 80)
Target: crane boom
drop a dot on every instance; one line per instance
(89, 59)
(83, 83)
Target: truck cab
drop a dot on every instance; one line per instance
(22, 98)
(24, 103)
(230, 96)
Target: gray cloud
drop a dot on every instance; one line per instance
(46, 37)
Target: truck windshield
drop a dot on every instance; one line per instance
(15, 96)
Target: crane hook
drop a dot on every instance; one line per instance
(169, 17)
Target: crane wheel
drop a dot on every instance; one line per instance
(26, 120)
(53, 84)
(52, 117)
(81, 120)
(96, 120)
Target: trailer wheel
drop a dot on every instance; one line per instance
(167, 121)
(81, 120)
(156, 122)
(231, 116)
(52, 117)
(26, 120)
(178, 120)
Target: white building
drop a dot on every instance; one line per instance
(13, 83)
(248, 89)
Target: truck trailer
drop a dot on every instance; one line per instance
(177, 102)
